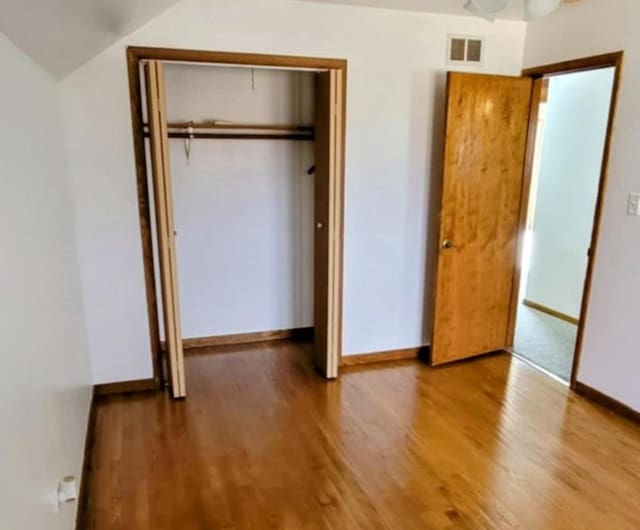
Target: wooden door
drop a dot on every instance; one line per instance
(328, 193)
(159, 147)
(485, 144)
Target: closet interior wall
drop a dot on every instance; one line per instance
(243, 207)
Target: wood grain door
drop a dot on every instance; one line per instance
(163, 195)
(485, 144)
(328, 222)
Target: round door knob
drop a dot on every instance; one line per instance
(319, 225)
(447, 244)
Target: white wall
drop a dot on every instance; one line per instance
(575, 127)
(45, 378)
(394, 122)
(243, 208)
(610, 359)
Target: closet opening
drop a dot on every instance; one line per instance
(240, 164)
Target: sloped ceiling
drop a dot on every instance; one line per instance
(61, 35)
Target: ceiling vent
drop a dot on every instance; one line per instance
(465, 50)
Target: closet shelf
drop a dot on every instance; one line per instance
(239, 131)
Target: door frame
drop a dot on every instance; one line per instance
(538, 73)
(136, 56)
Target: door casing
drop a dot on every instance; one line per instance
(539, 73)
(136, 56)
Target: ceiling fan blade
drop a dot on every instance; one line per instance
(486, 8)
(540, 8)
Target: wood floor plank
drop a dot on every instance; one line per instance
(264, 442)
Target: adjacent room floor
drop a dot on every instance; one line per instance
(263, 442)
(546, 341)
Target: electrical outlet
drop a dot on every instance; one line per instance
(633, 206)
(67, 490)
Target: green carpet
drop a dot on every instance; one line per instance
(546, 341)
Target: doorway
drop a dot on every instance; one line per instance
(573, 113)
(571, 125)
(154, 127)
(494, 186)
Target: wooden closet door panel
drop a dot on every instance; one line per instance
(328, 222)
(486, 138)
(159, 148)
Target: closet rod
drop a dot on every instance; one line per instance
(241, 136)
(251, 126)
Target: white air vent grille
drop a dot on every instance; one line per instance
(465, 49)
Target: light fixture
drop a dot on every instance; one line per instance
(540, 8)
(486, 8)
(533, 9)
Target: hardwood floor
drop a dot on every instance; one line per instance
(263, 442)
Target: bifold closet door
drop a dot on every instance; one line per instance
(159, 147)
(328, 198)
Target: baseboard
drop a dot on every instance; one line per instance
(124, 387)
(385, 356)
(551, 312)
(237, 339)
(89, 440)
(608, 402)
